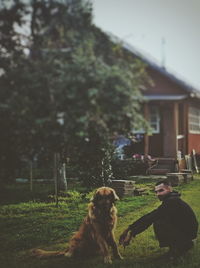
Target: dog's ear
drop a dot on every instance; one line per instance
(115, 196)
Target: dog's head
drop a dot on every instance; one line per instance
(104, 197)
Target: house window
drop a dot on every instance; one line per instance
(154, 118)
(194, 120)
(154, 121)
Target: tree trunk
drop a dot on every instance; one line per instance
(62, 178)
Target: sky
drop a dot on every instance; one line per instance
(165, 31)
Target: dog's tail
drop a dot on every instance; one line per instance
(40, 253)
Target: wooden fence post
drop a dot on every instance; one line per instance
(62, 178)
(31, 175)
(56, 177)
(195, 161)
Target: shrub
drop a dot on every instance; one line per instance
(128, 167)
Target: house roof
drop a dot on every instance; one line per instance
(192, 91)
(165, 97)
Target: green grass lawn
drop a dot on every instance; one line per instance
(35, 223)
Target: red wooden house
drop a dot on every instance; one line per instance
(173, 110)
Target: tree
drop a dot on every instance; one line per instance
(73, 71)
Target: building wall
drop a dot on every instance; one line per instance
(193, 139)
(156, 145)
(174, 118)
(163, 144)
(162, 84)
(194, 142)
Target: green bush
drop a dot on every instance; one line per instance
(122, 169)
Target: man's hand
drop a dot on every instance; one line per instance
(125, 238)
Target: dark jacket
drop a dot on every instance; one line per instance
(174, 216)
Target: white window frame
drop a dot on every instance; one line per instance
(154, 123)
(194, 120)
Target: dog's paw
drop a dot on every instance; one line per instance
(68, 254)
(107, 259)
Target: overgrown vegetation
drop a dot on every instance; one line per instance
(123, 169)
(65, 87)
(32, 224)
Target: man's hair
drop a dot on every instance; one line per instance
(164, 181)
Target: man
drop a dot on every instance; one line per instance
(174, 222)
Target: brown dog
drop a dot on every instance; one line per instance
(96, 233)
